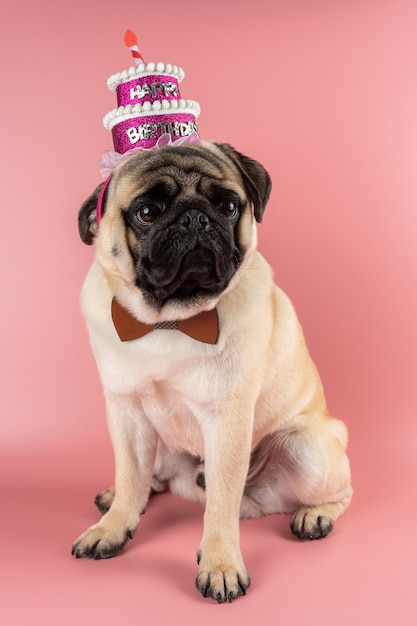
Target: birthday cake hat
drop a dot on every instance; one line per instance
(150, 111)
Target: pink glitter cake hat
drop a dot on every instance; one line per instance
(150, 111)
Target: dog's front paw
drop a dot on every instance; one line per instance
(311, 523)
(100, 542)
(220, 580)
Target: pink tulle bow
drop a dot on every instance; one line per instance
(111, 159)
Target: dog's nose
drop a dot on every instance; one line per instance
(194, 220)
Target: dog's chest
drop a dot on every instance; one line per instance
(173, 416)
(168, 378)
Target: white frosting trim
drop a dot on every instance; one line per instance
(137, 71)
(158, 107)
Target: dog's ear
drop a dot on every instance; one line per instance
(87, 223)
(255, 177)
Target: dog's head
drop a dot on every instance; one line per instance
(178, 225)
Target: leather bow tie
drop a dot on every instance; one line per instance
(203, 327)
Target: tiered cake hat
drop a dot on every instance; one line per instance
(150, 111)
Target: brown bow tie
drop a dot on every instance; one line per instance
(203, 327)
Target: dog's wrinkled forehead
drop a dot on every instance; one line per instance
(185, 169)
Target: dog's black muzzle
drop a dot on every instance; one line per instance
(194, 256)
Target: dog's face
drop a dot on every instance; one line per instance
(178, 224)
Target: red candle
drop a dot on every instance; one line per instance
(131, 42)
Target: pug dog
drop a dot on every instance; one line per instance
(209, 386)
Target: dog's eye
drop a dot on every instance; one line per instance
(148, 213)
(230, 208)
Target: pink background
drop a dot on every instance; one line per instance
(324, 94)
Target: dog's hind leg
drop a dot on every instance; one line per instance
(180, 471)
(321, 478)
(304, 471)
(104, 499)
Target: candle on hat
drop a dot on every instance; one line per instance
(131, 42)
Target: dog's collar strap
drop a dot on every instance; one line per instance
(99, 208)
(203, 327)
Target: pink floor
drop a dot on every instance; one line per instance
(363, 573)
(324, 94)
